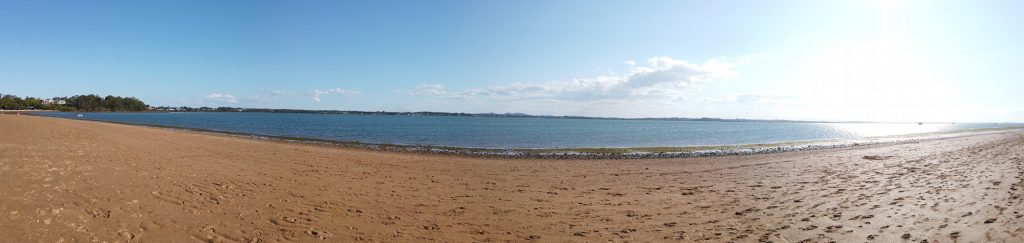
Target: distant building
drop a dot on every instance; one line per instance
(54, 102)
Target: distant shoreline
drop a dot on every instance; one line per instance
(597, 152)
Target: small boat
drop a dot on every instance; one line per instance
(80, 115)
(920, 123)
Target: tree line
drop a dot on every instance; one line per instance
(89, 102)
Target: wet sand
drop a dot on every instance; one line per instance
(80, 181)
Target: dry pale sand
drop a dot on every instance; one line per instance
(78, 181)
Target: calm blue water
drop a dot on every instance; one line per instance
(480, 132)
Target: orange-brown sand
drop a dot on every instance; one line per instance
(78, 181)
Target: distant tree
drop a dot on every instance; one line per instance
(34, 103)
(74, 103)
(11, 102)
(110, 103)
(85, 102)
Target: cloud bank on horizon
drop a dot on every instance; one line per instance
(315, 94)
(880, 60)
(663, 79)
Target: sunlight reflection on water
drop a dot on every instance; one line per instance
(885, 129)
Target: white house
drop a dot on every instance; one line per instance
(53, 101)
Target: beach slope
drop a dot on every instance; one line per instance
(79, 181)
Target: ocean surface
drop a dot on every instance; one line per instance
(512, 133)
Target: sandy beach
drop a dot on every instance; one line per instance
(79, 181)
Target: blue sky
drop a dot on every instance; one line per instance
(881, 60)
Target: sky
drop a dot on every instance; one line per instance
(871, 60)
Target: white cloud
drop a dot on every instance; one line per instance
(660, 87)
(662, 78)
(264, 96)
(220, 98)
(757, 99)
(315, 94)
(429, 89)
